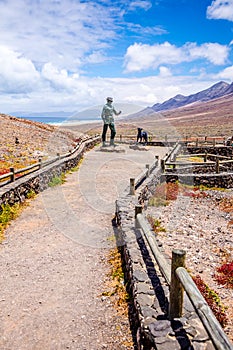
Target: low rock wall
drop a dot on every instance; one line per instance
(203, 175)
(39, 180)
(223, 180)
(226, 151)
(147, 287)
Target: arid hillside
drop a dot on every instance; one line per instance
(24, 141)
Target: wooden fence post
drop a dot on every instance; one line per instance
(40, 163)
(176, 289)
(132, 186)
(163, 165)
(12, 170)
(205, 157)
(138, 210)
(217, 165)
(197, 142)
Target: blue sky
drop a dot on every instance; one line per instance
(69, 55)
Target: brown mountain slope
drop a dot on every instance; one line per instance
(212, 118)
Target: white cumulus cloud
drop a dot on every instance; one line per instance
(213, 52)
(61, 32)
(226, 74)
(17, 72)
(143, 56)
(220, 9)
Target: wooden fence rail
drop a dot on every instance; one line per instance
(220, 161)
(11, 176)
(211, 324)
(179, 280)
(197, 141)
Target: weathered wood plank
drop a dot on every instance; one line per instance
(176, 288)
(159, 257)
(211, 324)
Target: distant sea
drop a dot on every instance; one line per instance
(59, 120)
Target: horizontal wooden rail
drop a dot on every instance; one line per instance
(176, 271)
(31, 168)
(135, 183)
(151, 239)
(190, 163)
(204, 164)
(190, 155)
(211, 324)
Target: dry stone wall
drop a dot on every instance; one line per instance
(223, 180)
(39, 180)
(147, 287)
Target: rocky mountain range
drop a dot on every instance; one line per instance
(217, 90)
(208, 112)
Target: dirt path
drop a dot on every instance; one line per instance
(53, 261)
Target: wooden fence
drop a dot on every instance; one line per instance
(219, 163)
(179, 281)
(16, 174)
(169, 161)
(189, 141)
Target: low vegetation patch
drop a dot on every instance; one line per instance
(166, 192)
(116, 291)
(226, 204)
(7, 214)
(57, 180)
(212, 300)
(116, 286)
(10, 212)
(31, 194)
(224, 275)
(155, 224)
(76, 168)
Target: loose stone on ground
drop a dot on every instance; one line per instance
(198, 226)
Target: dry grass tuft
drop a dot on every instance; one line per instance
(116, 286)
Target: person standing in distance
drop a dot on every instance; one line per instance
(108, 118)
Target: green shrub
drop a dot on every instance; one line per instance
(57, 180)
(31, 194)
(7, 213)
(156, 224)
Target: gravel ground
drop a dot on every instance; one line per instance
(35, 140)
(53, 260)
(198, 226)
